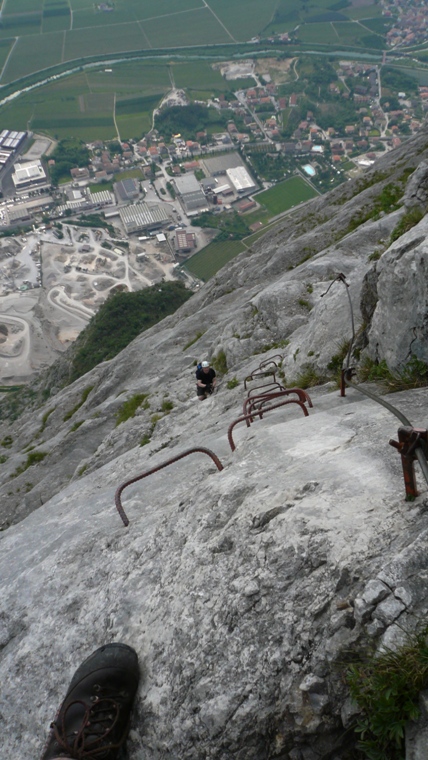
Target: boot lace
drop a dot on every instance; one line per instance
(92, 740)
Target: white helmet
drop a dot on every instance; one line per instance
(205, 364)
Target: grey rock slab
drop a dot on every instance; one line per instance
(204, 598)
(374, 592)
(389, 610)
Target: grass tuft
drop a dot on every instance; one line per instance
(83, 398)
(128, 409)
(386, 687)
(414, 374)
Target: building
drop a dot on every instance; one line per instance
(10, 142)
(102, 198)
(185, 242)
(28, 174)
(141, 216)
(126, 190)
(241, 180)
(190, 194)
(18, 214)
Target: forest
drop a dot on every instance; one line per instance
(120, 319)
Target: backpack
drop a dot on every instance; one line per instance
(198, 367)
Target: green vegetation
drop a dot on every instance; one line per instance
(189, 120)
(148, 436)
(34, 457)
(166, 406)
(414, 374)
(335, 364)
(219, 362)
(83, 398)
(308, 377)
(68, 154)
(409, 220)
(286, 195)
(387, 202)
(92, 220)
(386, 687)
(128, 409)
(397, 80)
(7, 441)
(231, 226)
(120, 319)
(76, 426)
(45, 420)
(213, 257)
(3, 459)
(194, 340)
(232, 383)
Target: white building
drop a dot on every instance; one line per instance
(28, 174)
(241, 180)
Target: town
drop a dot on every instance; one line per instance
(84, 221)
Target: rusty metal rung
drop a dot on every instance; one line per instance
(127, 483)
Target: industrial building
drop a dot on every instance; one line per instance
(184, 241)
(10, 142)
(218, 165)
(190, 195)
(241, 180)
(102, 198)
(141, 216)
(26, 175)
(126, 190)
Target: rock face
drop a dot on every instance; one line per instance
(399, 326)
(417, 188)
(242, 590)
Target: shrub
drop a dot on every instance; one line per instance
(335, 364)
(3, 459)
(219, 362)
(32, 458)
(7, 441)
(130, 406)
(232, 383)
(414, 374)
(166, 406)
(409, 220)
(386, 687)
(309, 377)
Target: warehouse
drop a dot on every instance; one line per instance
(143, 217)
(241, 180)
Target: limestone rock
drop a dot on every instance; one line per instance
(417, 187)
(399, 326)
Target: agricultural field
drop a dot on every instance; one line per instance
(52, 32)
(213, 257)
(82, 105)
(318, 16)
(285, 195)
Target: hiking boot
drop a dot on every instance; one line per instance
(93, 720)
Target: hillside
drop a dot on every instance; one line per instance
(244, 590)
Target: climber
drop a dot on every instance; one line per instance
(93, 720)
(205, 380)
